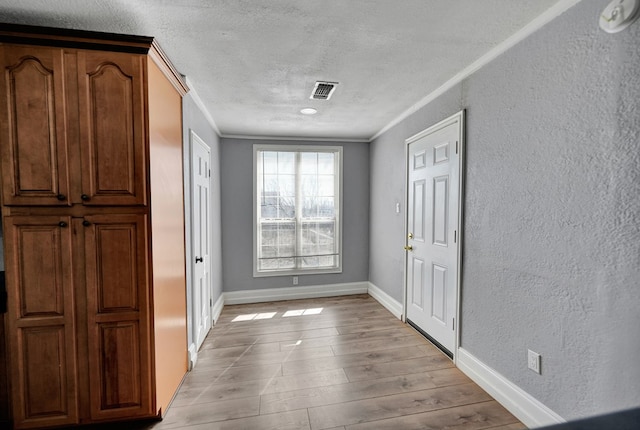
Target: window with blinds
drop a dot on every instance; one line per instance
(297, 210)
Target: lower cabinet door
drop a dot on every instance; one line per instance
(41, 331)
(118, 317)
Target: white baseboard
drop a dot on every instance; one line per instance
(392, 305)
(292, 293)
(193, 356)
(217, 309)
(517, 401)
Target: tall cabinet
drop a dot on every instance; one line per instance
(92, 208)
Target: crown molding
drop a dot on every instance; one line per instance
(526, 31)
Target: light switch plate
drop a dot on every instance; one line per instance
(533, 361)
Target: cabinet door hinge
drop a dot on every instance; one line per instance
(453, 322)
(456, 146)
(210, 302)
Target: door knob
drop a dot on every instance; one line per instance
(408, 248)
(198, 260)
(85, 197)
(62, 224)
(61, 197)
(86, 223)
(410, 235)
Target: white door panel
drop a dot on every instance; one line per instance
(417, 298)
(432, 223)
(201, 173)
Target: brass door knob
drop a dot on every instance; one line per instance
(408, 248)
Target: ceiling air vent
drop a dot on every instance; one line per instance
(323, 90)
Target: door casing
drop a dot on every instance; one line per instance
(460, 117)
(194, 310)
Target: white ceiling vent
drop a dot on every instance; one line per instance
(323, 90)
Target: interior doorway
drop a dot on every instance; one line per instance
(433, 251)
(201, 297)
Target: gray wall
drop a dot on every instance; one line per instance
(237, 220)
(194, 119)
(388, 162)
(551, 257)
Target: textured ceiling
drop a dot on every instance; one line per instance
(253, 63)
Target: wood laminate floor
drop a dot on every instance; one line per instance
(330, 363)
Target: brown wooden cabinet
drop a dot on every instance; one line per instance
(85, 320)
(41, 320)
(34, 147)
(91, 98)
(115, 249)
(112, 128)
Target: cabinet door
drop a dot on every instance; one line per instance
(112, 128)
(40, 319)
(32, 121)
(118, 315)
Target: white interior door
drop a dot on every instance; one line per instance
(433, 203)
(200, 178)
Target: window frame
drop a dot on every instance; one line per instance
(338, 150)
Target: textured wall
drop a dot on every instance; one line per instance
(237, 219)
(387, 189)
(552, 241)
(552, 212)
(195, 120)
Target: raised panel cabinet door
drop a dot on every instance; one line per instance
(41, 330)
(33, 141)
(112, 128)
(118, 316)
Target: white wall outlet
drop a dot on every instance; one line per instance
(533, 361)
(295, 280)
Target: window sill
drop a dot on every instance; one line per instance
(296, 273)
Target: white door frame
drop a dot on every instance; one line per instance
(460, 116)
(193, 346)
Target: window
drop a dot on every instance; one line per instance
(297, 209)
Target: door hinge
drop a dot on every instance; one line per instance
(210, 302)
(453, 322)
(210, 172)
(455, 236)
(456, 146)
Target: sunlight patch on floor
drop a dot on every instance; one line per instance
(298, 312)
(249, 317)
(269, 315)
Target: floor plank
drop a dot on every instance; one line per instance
(184, 416)
(205, 377)
(333, 394)
(399, 367)
(296, 420)
(351, 360)
(477, 416)
(338, 363)
(359, 411)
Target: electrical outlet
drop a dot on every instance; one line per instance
(533, 361)
(295, 280)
